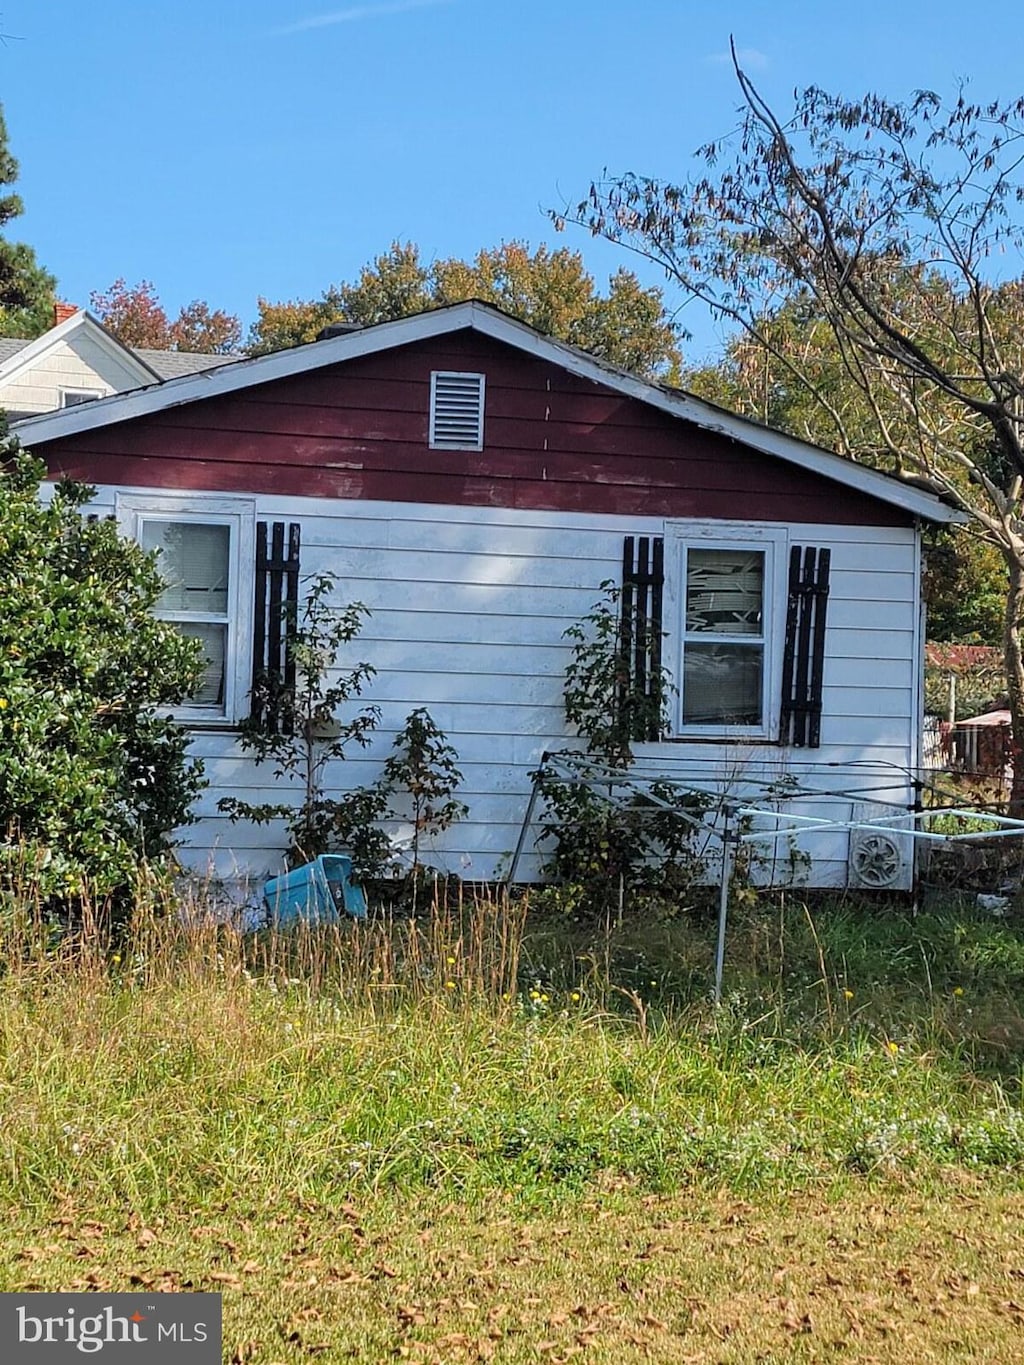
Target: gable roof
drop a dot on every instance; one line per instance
(145, 365)
(234, 377)
(30, 353)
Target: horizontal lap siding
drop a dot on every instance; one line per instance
(468, 615)
(870, 683)
(553, 441)
(474, 563)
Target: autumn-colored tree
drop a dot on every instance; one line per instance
(27, 291)
(134, 315)
(395, 285)
(965, 582)
(292, 323)
(137, 318)
(205, 330)
(549, 290)
(856, 208)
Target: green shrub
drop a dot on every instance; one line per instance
(94, 776)
(602, 835)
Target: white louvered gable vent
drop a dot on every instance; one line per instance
(456, 410)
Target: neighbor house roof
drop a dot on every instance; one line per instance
(10, 346)
(145, 365)
(30, 353)
(243, 374)
(954, 658)
(174, 364)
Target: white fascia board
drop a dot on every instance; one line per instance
(243, 374)
(30, 355)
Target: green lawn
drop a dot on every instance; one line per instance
(475, 1139)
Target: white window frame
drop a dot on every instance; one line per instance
(83, 396)
(239, 515)
(771, 541)
(478, 443)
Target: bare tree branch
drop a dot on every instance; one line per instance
(856, 247)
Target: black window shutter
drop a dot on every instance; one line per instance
(276, 610)
(643, 581)
(803, 660)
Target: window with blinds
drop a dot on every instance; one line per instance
(456, 410)
(725, 607)
(723, 637)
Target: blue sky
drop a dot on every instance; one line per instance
(230, 148)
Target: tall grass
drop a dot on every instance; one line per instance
(471, 1049)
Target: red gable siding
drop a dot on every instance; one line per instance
(553, 441)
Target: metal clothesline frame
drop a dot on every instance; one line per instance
(622, 789)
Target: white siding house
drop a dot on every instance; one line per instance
(474, 553)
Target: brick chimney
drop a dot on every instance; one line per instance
(63, 311)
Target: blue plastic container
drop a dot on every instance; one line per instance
(321, 892)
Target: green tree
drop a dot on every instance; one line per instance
(293, 323)
(27, 291)
(548, 289)
(965, 586)
(136, 317)
(396, 285)
(887, 221)
(94, 776)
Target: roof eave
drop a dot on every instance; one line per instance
(232, 377)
